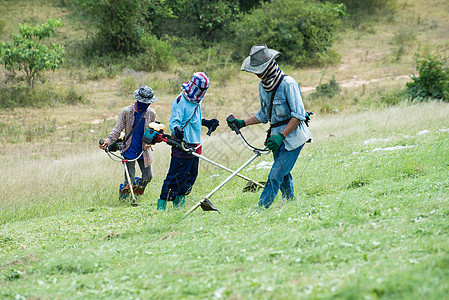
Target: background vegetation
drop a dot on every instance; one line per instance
(371, 217)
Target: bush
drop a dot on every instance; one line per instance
(207, 20)
(120, 23)
(158, 55)
(328, 90)
(26, 52)
(433, 80)
(303, 30)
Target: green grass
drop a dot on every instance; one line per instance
(369, 223)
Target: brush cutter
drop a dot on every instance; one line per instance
(155, 134)
(118, 146)
(205, 203)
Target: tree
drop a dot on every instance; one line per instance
(124, 24)
(433, 79)
(26, 52)
(303, 30)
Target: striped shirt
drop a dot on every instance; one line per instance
(125, 121)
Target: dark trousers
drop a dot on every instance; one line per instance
(180, 177)
(147, 173)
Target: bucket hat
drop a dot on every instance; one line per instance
(145, 95)
(259, 58)
(195, 89)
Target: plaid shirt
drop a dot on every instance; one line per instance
(126, 121)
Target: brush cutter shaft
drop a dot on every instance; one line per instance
(233, 174)
(227, 169)
(123, 160)
(130, 184)
(257, 154)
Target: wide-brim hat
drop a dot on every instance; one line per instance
(145, 95)
(259, 58)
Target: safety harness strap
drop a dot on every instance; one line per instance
(270, 109)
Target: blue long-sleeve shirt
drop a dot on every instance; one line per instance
(287, 103)
(181, 112)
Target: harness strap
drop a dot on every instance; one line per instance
(270, 108)
(280, 123)
(129, 135)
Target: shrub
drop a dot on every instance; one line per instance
(433, 79)
(328, 90)
(302, 30)
(26, 53)
(207, 20)
(158, 55)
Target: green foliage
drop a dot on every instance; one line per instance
(246, 5)
(433, 79)
(122, 24)
(26, 53)
(302, 30)
(157, 55)
(328, 90)
(206, 20)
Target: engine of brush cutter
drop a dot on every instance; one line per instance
(154, 133)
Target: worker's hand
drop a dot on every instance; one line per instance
(146, 146)
(275, 142)
(211, 124)
(179, 133)
(237, 122)
(103, 146)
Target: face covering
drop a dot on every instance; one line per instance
(142, 106)
(195, 89)
(271, 76)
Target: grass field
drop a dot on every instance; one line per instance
(371, 216)
(370, 222)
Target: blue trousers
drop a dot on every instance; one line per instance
(180, 178)
(280, 177)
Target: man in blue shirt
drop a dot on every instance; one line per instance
(282, 106)
(185, 123)
(134, 119)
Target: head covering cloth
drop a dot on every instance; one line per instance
(195, 89)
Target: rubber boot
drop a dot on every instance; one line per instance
(123, 195)
(161, 204)
(180, 201)
(138, 186)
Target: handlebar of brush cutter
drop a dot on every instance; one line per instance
(116, 157)
(237, 131)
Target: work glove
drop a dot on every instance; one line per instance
(275, 142)
(237, 122)
(179, 133)
(210, 124)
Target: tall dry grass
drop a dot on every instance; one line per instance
(39, 186)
